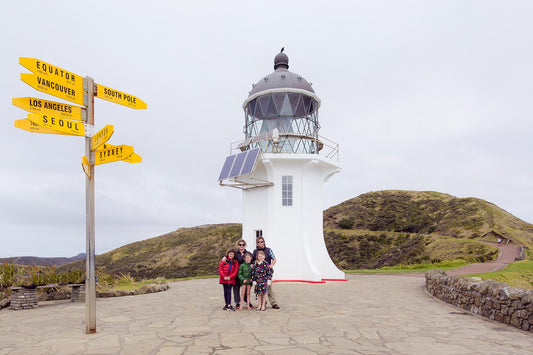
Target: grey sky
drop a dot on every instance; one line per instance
(420, 95)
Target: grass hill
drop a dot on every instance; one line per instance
(185, 252)
(383, 228)
(387, 228)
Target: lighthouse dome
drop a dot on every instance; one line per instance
(281, 78)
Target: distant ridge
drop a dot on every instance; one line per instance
(34, 260)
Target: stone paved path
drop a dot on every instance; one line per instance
(368, 314)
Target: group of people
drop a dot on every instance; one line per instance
(241, 270)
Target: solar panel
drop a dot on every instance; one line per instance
(249, 163)
(237, 166)
(227, 167)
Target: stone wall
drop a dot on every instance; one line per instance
(494, 300)
(23, 298)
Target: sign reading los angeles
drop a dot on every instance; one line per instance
(35, 105)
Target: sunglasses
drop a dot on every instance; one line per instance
(241, 244)
(261, 242)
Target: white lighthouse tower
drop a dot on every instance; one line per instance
(281, 167)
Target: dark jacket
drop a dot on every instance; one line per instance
(265, 250)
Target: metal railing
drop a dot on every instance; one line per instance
(326, 147)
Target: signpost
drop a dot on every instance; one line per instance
(64, 119)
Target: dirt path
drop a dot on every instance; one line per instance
(507, 255)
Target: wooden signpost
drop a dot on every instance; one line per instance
(65, 119)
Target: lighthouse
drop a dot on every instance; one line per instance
(281, 166)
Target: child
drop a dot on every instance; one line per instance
(227, 269)
(261, 279)
(245, 276)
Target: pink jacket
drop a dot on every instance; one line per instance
(224, 270)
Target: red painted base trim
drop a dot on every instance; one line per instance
(306, 281)
(323, 281)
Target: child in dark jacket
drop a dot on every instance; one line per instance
(228, 270)
(245, 276)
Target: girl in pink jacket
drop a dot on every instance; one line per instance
(228, 270)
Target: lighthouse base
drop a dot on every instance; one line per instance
(288, 215)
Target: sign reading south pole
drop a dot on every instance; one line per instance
(119, 97)
(52, 80)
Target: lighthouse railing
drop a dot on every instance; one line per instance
(327, 148)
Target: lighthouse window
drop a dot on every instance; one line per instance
(286, 190)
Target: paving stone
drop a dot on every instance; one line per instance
(369, 314)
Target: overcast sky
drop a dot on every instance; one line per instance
(420, 95)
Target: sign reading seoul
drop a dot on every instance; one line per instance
(75, 128)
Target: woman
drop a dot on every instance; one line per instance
(228, 269)
(239, 255)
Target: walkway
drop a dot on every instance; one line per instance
(368, 314)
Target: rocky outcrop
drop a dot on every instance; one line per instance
(494, 300)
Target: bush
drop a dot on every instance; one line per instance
(346, 223)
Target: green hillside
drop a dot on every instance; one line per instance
(185, 252)
(376, 229)
(427, 212)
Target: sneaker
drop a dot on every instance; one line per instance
(225, 308)
(251, 306)
(275, 306)
(238, 305)
(230, 308)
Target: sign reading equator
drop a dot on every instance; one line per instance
(119, 97)
(37, 66)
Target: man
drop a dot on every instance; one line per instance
(271, 259)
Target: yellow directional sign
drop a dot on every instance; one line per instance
(34, 105)
(29, 126)
(110, 154)
(133, 158)
(86, 167)
(50, 71)
(74, 128)
(102, 136)
(119, 97)
(53, 87)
